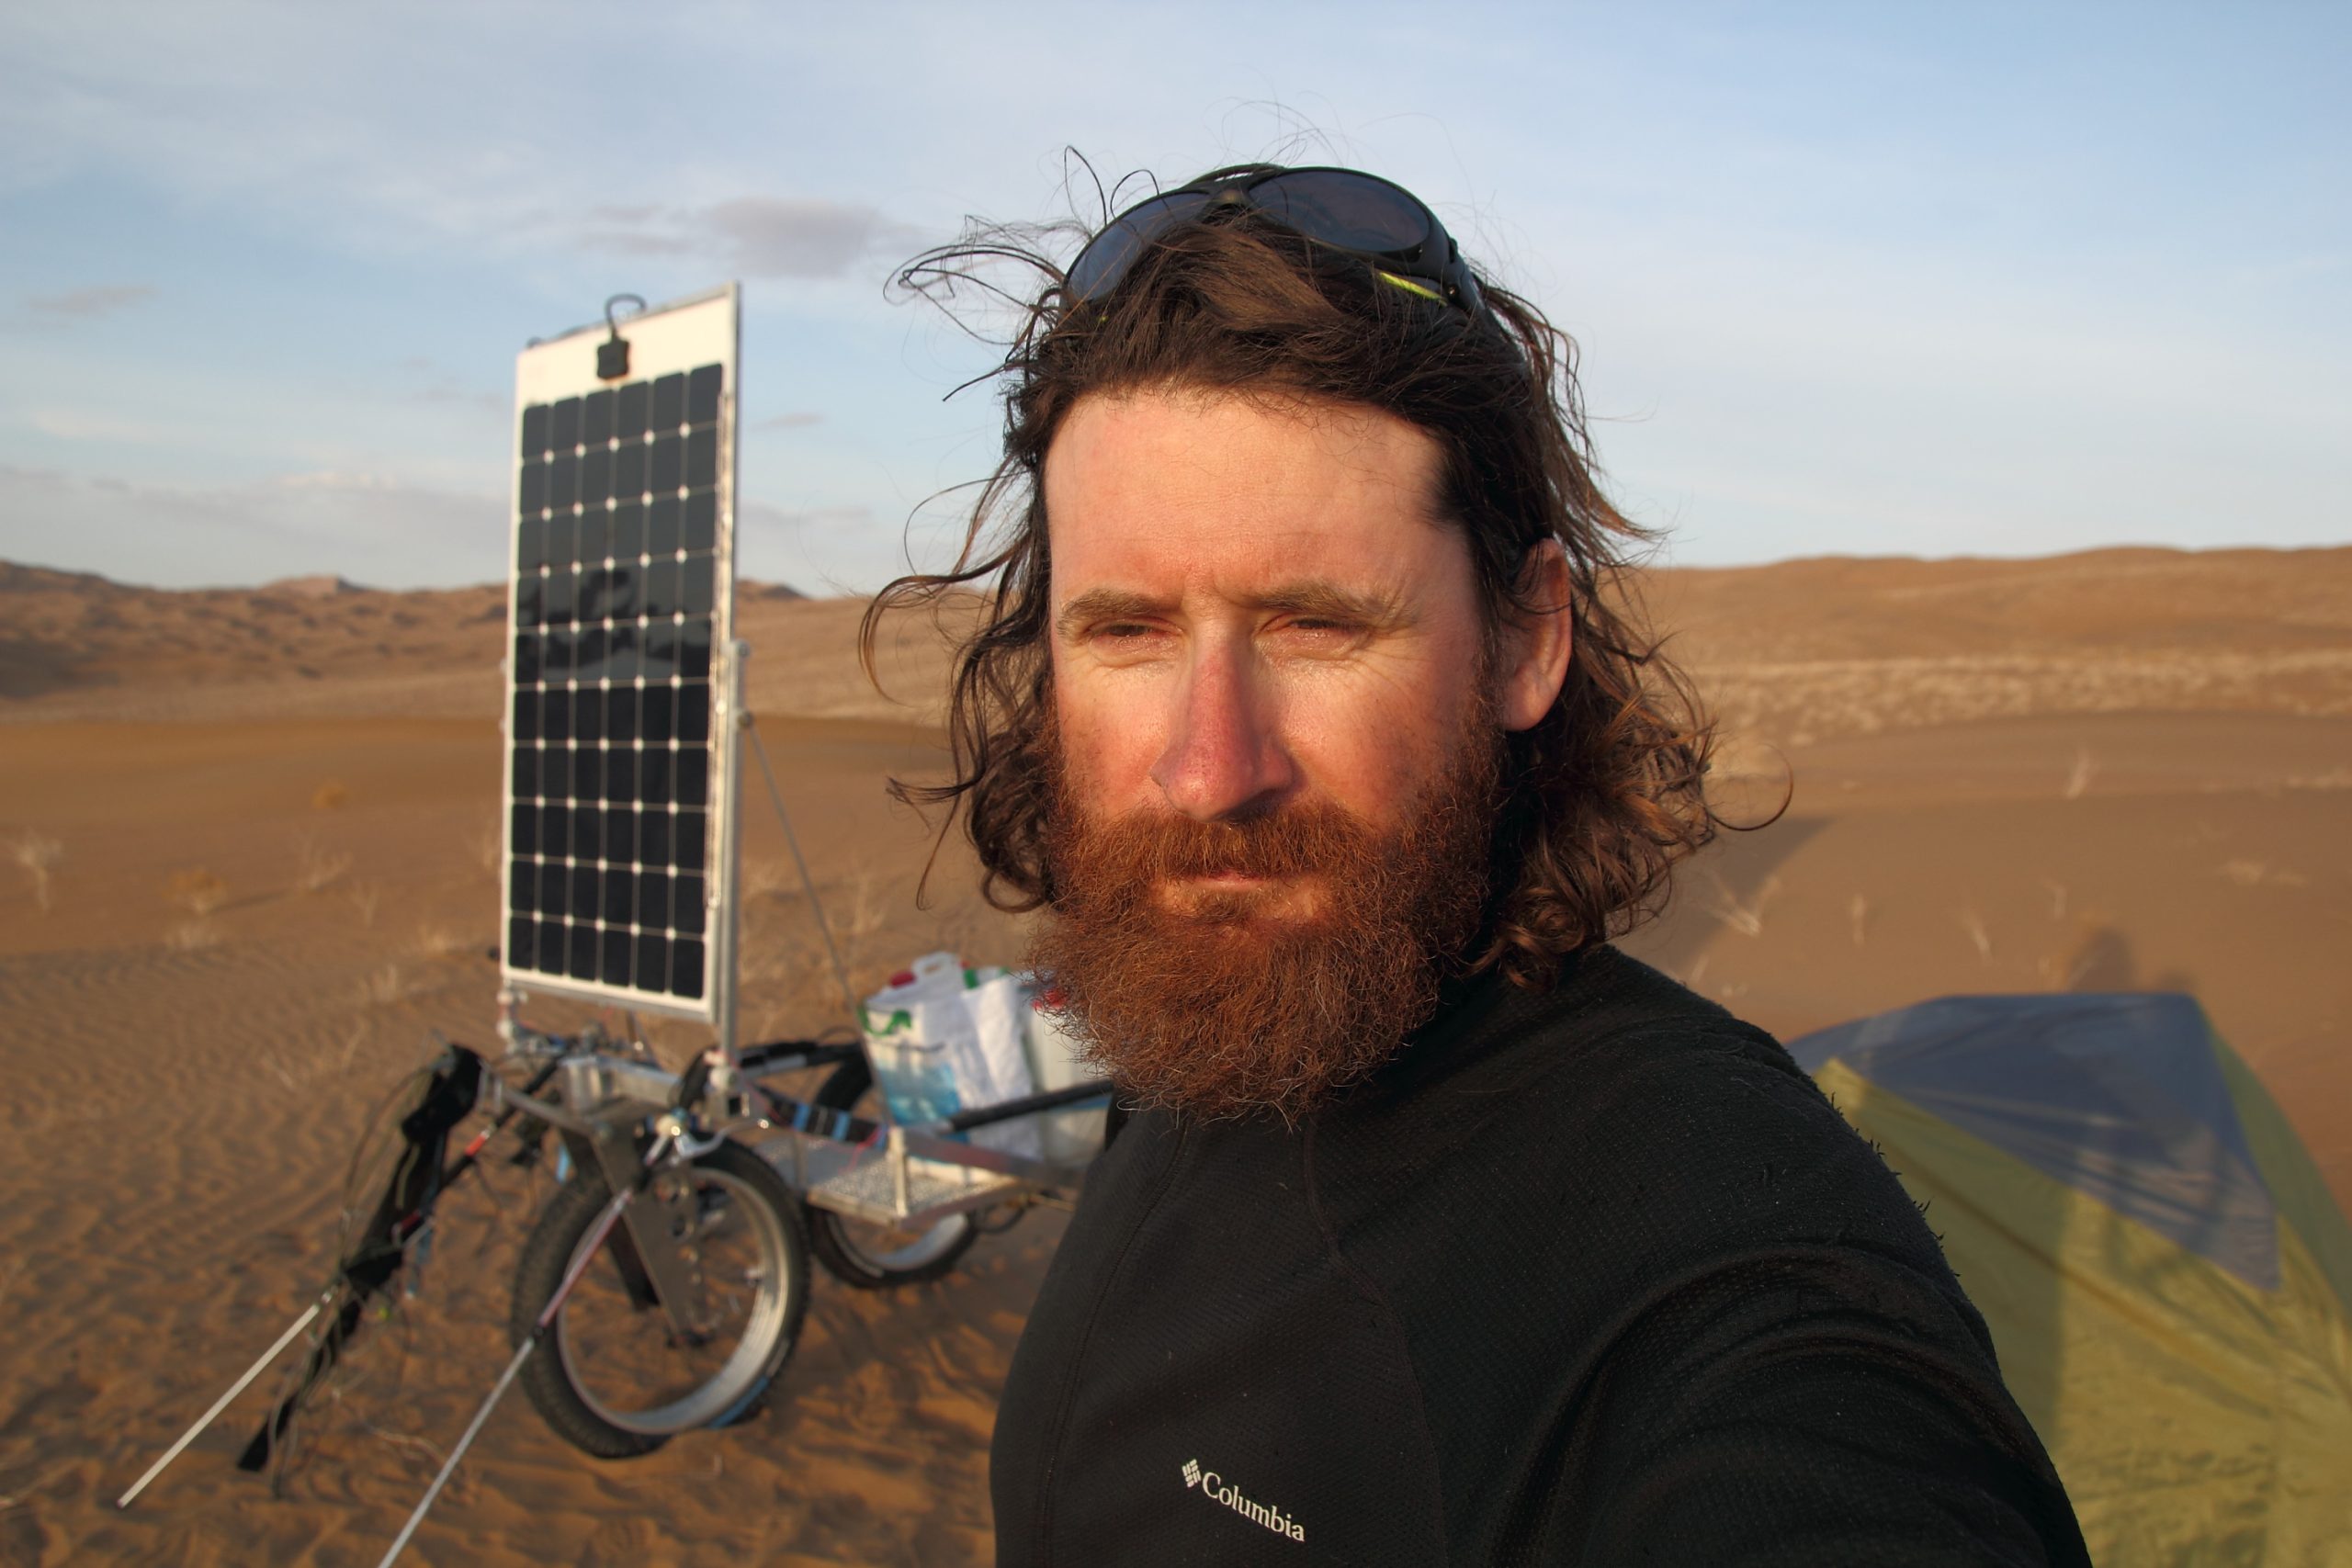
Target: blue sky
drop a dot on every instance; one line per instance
(1873, 279)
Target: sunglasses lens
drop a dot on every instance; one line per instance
(1340, 207)
(1108, 255)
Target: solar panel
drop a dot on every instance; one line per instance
(619, 768)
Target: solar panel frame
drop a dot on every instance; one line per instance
(590, 724)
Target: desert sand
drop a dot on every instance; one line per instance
(250, 866)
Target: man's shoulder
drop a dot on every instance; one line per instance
(1620, 1099)
(1607, 1026)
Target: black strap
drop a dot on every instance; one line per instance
(419, 1176)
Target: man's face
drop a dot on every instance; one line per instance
(1275, 740)
(1253, 608)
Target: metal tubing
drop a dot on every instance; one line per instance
(602, 1228)
(301, 1323)
(952, 1149)
(1028, 1105)
(554, 1115)
(790, 1055)
(725, 926)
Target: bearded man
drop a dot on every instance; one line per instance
(1441, 1232)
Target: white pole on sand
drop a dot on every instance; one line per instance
(222, 1402)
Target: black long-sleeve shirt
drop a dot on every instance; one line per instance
(1593, 1275)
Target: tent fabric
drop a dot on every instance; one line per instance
(2197, 1415)
(2305, 1204)
(2116, 1096)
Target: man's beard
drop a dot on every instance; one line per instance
(1214, 1002)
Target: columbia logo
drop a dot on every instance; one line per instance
(1218, 1490)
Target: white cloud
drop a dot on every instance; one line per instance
(362, 526)
(756, 236)
(774, 237)
(99, 300)
(88, 425)
(379, 484)
(764, 516)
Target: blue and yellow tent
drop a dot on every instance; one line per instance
(2166, 1278)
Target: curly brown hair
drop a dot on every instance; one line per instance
(1601, 798)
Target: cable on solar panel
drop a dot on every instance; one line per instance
(611, 355)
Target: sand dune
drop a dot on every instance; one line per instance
(1809, 649)
(269, 873)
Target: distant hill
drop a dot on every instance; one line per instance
(69, 631)
(312, 587)
(75, 645)
(1795, 650)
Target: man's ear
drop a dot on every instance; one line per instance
(1535, 641)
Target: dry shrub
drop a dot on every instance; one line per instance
(490, 849)
(859, 916)
(383, 987)
(437, 939)
(1980, 936)
(319, 868)
(784, 966)
(2259, 873)
(764, 878)
(189, 936)
(332, 795)
(2078, 781)
(365, 896)
(197, 890)
(37, 852)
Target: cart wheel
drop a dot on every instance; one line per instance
(613, 1378)
(875, 1256)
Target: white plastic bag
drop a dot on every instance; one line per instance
(945, 1038)
(1071, 1136)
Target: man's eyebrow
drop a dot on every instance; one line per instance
(1315, 598)
(1105, 604)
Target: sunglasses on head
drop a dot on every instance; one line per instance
(1345, 210)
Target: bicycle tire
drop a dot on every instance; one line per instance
(738, 1198)
(846, 1247)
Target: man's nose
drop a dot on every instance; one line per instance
(1223, 754)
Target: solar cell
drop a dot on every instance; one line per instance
(617, 776)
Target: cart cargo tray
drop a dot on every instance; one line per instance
(860, 1183)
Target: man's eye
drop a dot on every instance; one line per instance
(1321, 629)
